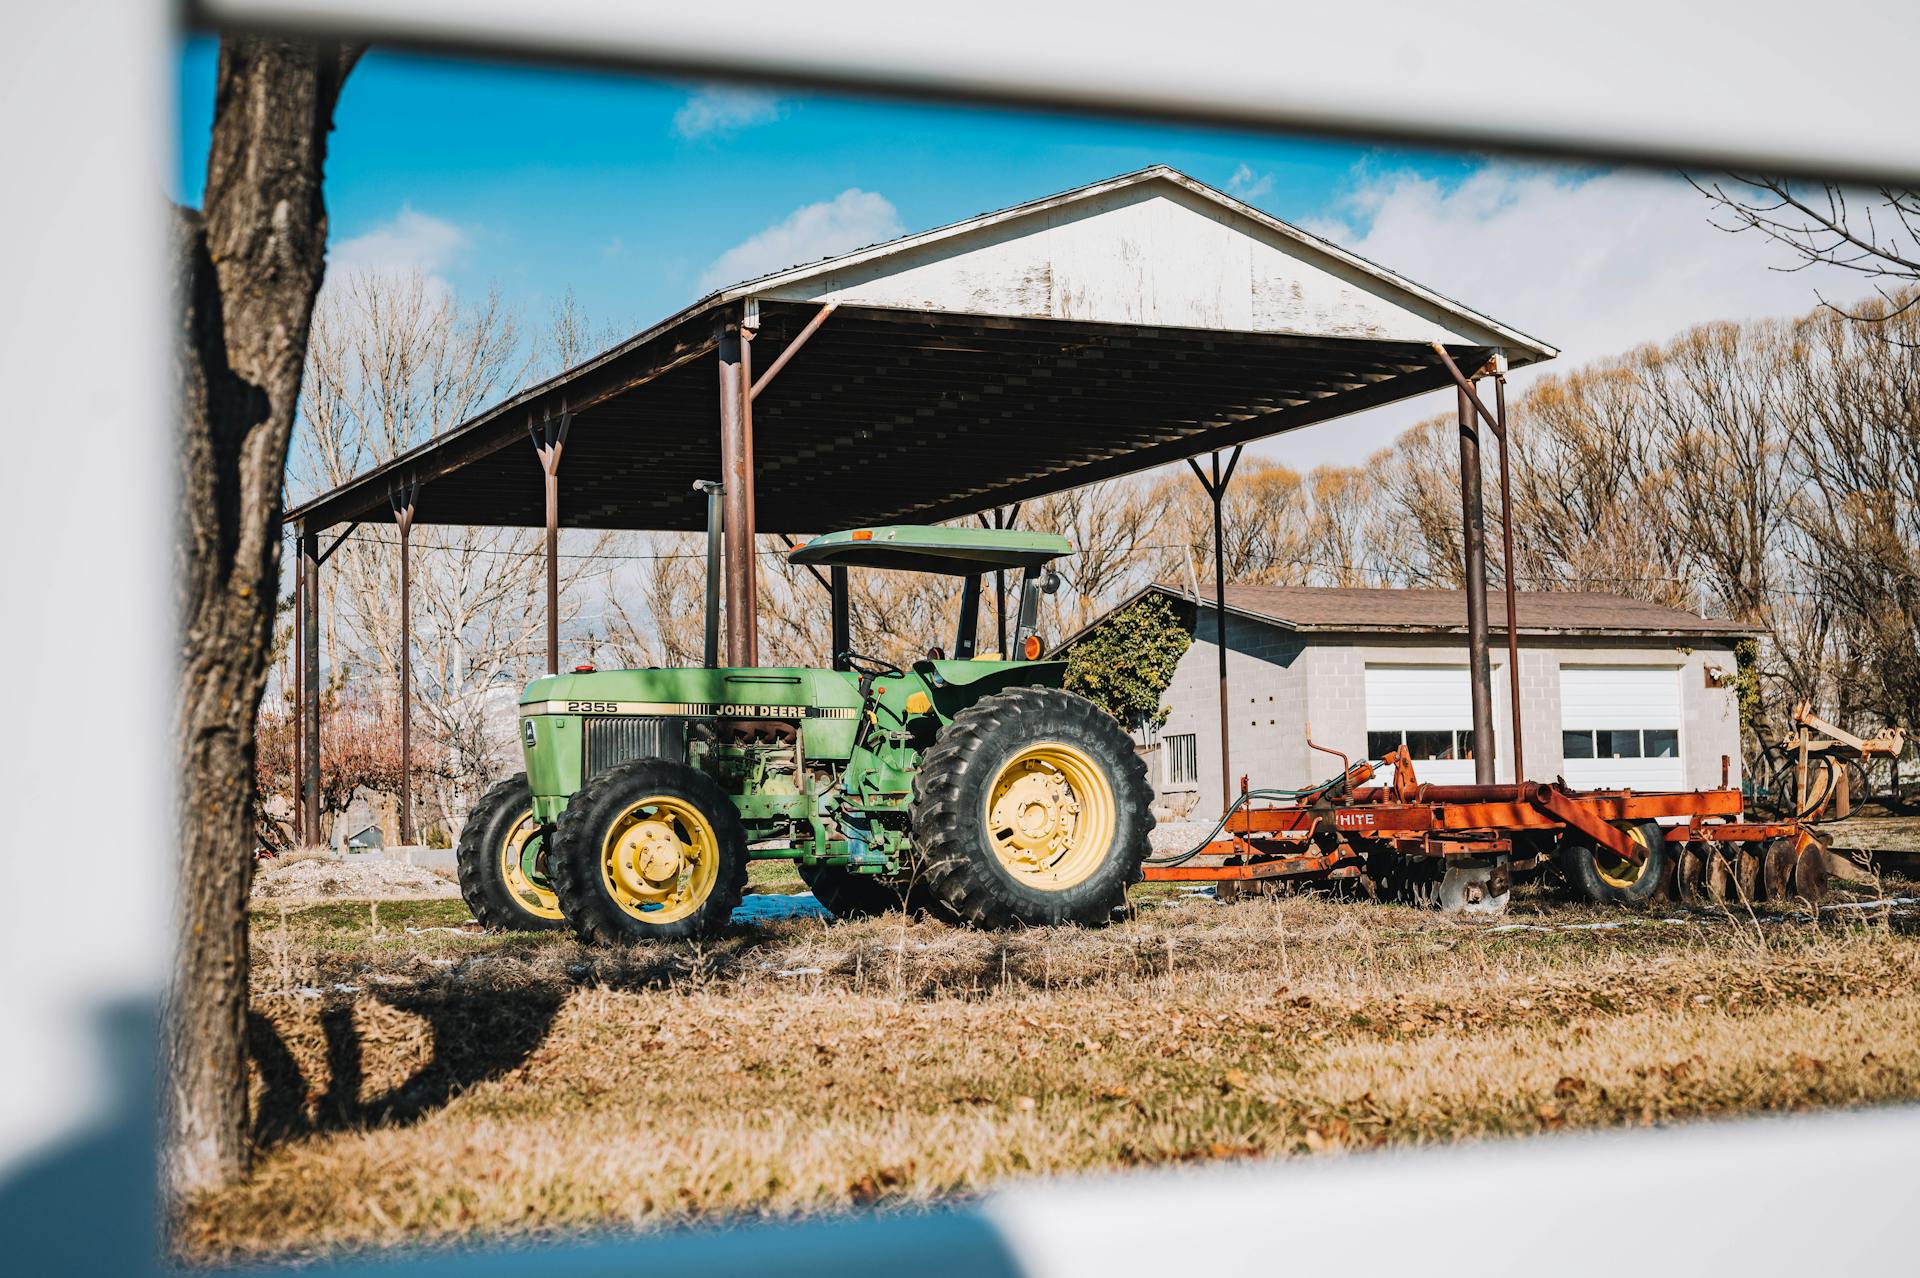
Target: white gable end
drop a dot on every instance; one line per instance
(1153, 253)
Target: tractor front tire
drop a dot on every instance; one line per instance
(651, 850)
(502, 862)
(1031, 808)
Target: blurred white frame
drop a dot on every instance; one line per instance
(86, 135)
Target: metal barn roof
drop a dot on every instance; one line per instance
(1094, 333)
(1365, 610)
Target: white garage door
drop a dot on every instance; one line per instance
(1620, 727)
(1429, 709)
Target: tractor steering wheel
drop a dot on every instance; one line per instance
(872, 667)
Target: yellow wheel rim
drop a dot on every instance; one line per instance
(523, 867)
(1617, 871)
(660, 859)
(1050, 816)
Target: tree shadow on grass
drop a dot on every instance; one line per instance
(477, 1036)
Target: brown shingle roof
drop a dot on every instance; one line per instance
(1445, 611)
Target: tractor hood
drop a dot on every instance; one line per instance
(762, 692)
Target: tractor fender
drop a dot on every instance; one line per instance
(955, 685)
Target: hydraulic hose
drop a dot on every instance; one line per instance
(1310, 792)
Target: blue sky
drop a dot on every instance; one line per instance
(641, 195)
(565, 178)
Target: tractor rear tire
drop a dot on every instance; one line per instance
(1597, 876)
(491, 862)
(1031, 808)
(651, 850)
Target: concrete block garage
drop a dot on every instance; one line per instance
(1615, 692)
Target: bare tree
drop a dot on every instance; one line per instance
(1343, 536)
(1874, 233)
(1117, 531)
(572, 337)
(395, 360)
(1857, 502)
(1720, 416)
(249, 266)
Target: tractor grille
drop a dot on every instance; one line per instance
(614, 739)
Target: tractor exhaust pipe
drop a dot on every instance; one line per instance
(711, 649)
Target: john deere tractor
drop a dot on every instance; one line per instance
(970, 785)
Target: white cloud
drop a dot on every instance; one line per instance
(1594, 263)
(719, 112)
(850, 220)
(1247, 185)
(411, 241)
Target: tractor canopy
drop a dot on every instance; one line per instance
(960, 552)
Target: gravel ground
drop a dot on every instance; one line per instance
(1178, 836)
(357, 878)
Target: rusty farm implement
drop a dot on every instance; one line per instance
(1461, 845)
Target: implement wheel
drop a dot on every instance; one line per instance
(1606, 879)
(1031, 808)
(1748, 881)
(651, 850)
(1810, 874)
(502, 861)
(847, 895)
(1777, 869)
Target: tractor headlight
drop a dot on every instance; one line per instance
(526, 732)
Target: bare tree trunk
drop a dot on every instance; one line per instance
(249, 268)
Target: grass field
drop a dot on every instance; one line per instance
(417, 1082)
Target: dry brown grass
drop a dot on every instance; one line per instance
(434, 1085)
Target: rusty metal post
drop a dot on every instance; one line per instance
(549, 440)
(298, 692)
(793, 348)
(736, 473)
(1217, 491)
(1474, 539)
(403, 495)
(1506, 543)
(310, 693)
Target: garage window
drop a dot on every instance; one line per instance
(1183, 758)
(1620, 726)
(1621, 743)
(1422, 743)
(1429, 710)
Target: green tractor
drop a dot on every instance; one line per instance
(971, 786)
